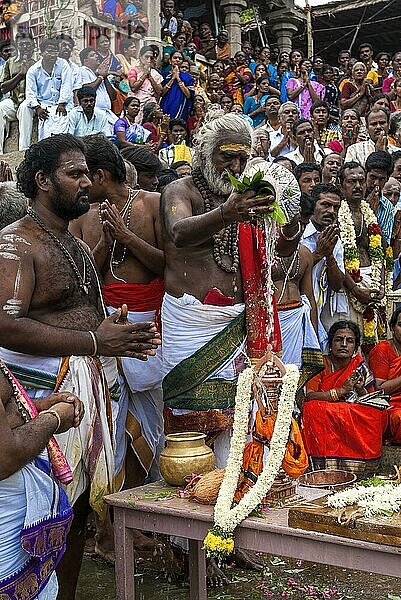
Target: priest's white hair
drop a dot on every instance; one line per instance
(214, 132)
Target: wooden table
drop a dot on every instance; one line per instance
(142, 508)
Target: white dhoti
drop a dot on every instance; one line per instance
(89, 449)
(53, 125)
(34, 522)
(140, 408)
(189, 327)
(299, 340)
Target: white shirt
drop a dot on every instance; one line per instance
(79, 125)
(319, 154)
(275, 139)
(322, 292)
(102, 97)
(361, 150)
(49, 89)
(76, 75)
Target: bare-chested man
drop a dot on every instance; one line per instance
(123, 229)
(28, 495)
(51, 308)
(292, 277)
(203, 316)
(352, 179)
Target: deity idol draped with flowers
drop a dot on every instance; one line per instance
(368, 263)
(214, 313)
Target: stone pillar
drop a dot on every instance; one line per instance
(231, 9)
(284, 30)
(153, 9)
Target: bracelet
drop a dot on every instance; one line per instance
(334, 395)
(55, 413)
(95, 344)
(292, 238)
(222, 215)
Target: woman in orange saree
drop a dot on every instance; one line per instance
(385, 363)
(339, 433)
(236, 77)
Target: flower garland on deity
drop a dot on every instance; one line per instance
(219, 542)
(371, 330)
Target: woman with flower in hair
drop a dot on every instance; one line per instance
(338, 432)
(385, 362)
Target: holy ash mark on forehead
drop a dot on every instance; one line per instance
(79, 164)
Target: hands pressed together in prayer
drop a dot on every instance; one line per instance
(116, 336)
(327, 241)
(68, 407)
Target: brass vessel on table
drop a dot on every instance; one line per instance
(185, 453)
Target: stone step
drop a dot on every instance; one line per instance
(11, 143)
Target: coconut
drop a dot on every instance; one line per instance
(206, 490)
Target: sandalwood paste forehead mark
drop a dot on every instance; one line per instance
(235, 148)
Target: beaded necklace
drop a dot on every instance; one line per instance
(225, 243)
(125, 213)
(83, 281)
(287, 272)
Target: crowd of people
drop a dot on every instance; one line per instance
(133, 275)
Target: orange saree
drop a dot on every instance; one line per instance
(342, 431)
(385, 364)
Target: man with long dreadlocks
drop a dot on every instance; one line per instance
(213, 311)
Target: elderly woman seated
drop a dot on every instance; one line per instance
(385, 362)
(338, 432)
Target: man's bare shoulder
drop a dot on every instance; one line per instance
(150, 198)
(20, 232)
(179, 190)
(305, 254)
(77, 226)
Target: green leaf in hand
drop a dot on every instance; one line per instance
(278, 214)
(238, 185)
(262, 189)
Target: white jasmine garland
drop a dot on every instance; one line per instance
(373, 500)
(225, 517)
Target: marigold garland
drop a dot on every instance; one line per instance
(377, 258)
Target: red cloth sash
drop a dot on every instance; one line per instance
(252, 251)
(139, 297)
(341, 429)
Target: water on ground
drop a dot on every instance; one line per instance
(281, 578)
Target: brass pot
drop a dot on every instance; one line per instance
(185, 453)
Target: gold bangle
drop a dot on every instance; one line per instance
(95, 344)
(55, 413)
(334, 395)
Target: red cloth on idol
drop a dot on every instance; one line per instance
(341, 429)
(139, 297)
(252, 251)
(385, 364)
